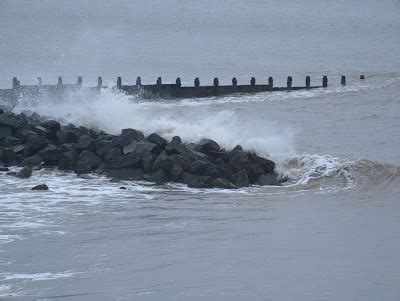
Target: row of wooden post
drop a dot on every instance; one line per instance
(234, 82)
(16, 82)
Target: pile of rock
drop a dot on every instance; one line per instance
(31, 141)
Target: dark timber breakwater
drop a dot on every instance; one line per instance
(158, 90)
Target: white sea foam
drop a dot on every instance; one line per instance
(37, 276)
(306, 168)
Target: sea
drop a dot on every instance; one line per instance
(331, 232)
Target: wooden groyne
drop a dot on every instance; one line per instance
(157, 90)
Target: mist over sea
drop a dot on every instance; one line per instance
(330, 233)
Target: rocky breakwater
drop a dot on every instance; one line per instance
(32, 142)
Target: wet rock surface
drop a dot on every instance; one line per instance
(31, 142)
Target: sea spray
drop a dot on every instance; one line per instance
(111, 112)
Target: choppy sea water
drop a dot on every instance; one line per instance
(330, 233)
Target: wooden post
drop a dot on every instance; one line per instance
(159, 82)
(15, 83)
(99, 82)
(80, 81)
(119, 82)
(270, 83)
(215, 85)
(325, 81)
(343, 80)
(289, 83)
(197, 82)
(39, 81)
(216, 82)
(253, 83)
(362, 76)
(308, 82)
(234, 84)
(138, 81)
(59, 81)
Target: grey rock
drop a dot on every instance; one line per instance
(157, 139)
(85, 142)
(34, 160)
(201, 182)
(112, 153)
(87, 162)
(66, 136)
(186, 177)
(147, 162)
(68, 160)
(5, 131)
(35, 143)
(24, 173)
(208, 145)
(240, 179)
(51, 155)
(8, 155)
(162, 162)
(222, 183)
(130, 160)
(141, 147)
(10, 141)
(19, 149)
(176, 140)
(51, 125)
(40, 187)
(159, 177)
(132, 134)
(253, 172)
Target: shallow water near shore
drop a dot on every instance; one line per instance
(330, 233)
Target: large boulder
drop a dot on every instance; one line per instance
(85, 142)
(50, 155)
(66, 136)
(26, 134)
(208, 145)
(132, 134)
(157, 139)
(163, 162)
(5, 131)
(141, 147)
(254, 171)
(131, 160)
(51, 125)
(10, 141)
(102, 146)
(25, 172)
(135, 174)
(201, 182)
(7, 120)
(186, 177)
(87, 162)
(34, 160)
(240, 179)
(68, 160)
(112, 153)
(159, 177)
(222, 183)
(40, 187)
(147, 162)
(8, 155)
(35, 143)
